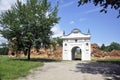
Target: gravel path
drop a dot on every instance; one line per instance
(75, 70)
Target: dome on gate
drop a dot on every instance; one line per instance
(76, 30)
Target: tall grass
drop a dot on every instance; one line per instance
(13, 68)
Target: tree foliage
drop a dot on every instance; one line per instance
(59, 41)
(114, 4)
(112, 46)
(56, 41)
(29, 24)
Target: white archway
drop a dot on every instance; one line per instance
(76, 39)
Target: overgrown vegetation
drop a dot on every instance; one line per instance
(13, 68)
(56, 41)
(109, 48)
(3, 49)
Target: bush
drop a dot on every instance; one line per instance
(4, 51)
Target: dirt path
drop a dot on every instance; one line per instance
(75, 70)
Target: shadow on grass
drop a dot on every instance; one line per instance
(109, 70)
(38, 59)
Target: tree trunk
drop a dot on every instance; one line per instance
(29, 53)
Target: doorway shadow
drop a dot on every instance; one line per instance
(77, 59)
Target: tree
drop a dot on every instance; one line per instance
(103, 47)
(56, 41)
(114, 4)
(112, 46)
(11, 27)
(59, 41)
(27, 25)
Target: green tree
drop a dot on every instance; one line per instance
(13, 24)
(27, 25)
(114, 46)
(56, 41)
(59, 41)
(114, 4)
(103, 47)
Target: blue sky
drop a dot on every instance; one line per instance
(104, 28)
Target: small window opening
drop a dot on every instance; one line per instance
(86, 44)
(65, 44)
(75, 40)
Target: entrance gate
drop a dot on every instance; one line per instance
(76, 39)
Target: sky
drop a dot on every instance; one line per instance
(104, 28)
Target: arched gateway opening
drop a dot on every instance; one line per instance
(76, 53)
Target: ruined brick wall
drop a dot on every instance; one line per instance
(99, 54)
(41, 53)
(57, 54)
(47, 53)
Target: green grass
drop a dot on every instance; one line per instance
(42, 60)
(110, 60)
(13, 68)
(114, 61)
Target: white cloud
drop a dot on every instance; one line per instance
(92, 10)
(67, 4)
(3, 40)
(6, 4)
(72, 22)
(57, 31)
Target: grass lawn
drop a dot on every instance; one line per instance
(114, 61)
(13, 68)
(110, 60)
